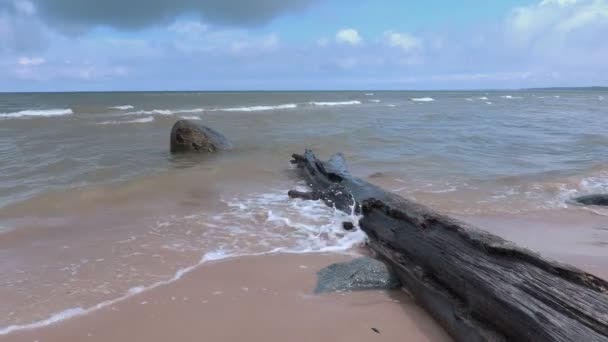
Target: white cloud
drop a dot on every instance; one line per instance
(25, 7)
(556, 17)
(560, 34)
(27, 61)
(348, 36)
(188, 27)
(403, 41)
(595, 13)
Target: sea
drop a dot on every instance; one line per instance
(94, 208)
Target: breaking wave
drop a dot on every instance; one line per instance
(37, 113)
(423, 99)
(258, 108)
(126, 107)
(142, 120)
(337, 103)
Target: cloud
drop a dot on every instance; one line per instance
(403, 41)
(549, 43)
(31, 61)
(20, 29)
(188, 27)
(348, 36)
(560, 33)
(136, 14)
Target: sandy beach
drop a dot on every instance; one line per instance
(265, 298)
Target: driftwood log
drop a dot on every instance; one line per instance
(478, 286)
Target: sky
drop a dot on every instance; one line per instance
(114, 45)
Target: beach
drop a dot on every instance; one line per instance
(104, 233)
(250, 299)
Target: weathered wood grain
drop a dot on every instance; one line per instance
(478, 286)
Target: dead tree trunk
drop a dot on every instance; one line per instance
(478, 286)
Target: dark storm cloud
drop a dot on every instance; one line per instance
(133, 14)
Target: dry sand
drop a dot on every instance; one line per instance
(266, 298)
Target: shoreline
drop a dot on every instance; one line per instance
(221, 301)
(526, 231)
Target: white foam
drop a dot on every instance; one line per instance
(511, 97)
(337, 103)
(142, 120)
(488, 102)
(375, 101)
(391, 105)
(74, 312)
(483, 98)
(423, 99)
(37, 112)
(55, 318)
(191, 117)
(369, 94)
(136, 290)
(215, 256)
(125, 107)
(311, 227)
(152, 112)
(259, 108)
(595, 184)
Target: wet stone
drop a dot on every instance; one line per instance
(348, 226)
(360, 274)
(599, 199)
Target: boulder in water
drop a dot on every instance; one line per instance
(599, 199)
(188, 136)
(360, 274)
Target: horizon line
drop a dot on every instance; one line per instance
(307, 90)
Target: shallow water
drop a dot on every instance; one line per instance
(92, 204)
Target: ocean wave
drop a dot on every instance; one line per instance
(511, 97)
(337, 103)
(313, 228)
(423, 99)
(375, 101)
(167, 112)
(152, 112)
(142, 120)
(369, 94)
(258, 108)
(37, 113)
(125, 107)
(190, 117)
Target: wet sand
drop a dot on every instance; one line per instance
(573, 236)
(266, 298)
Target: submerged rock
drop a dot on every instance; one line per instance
(360, 274)
(348, 226)
(188, 136)
(599, 199)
